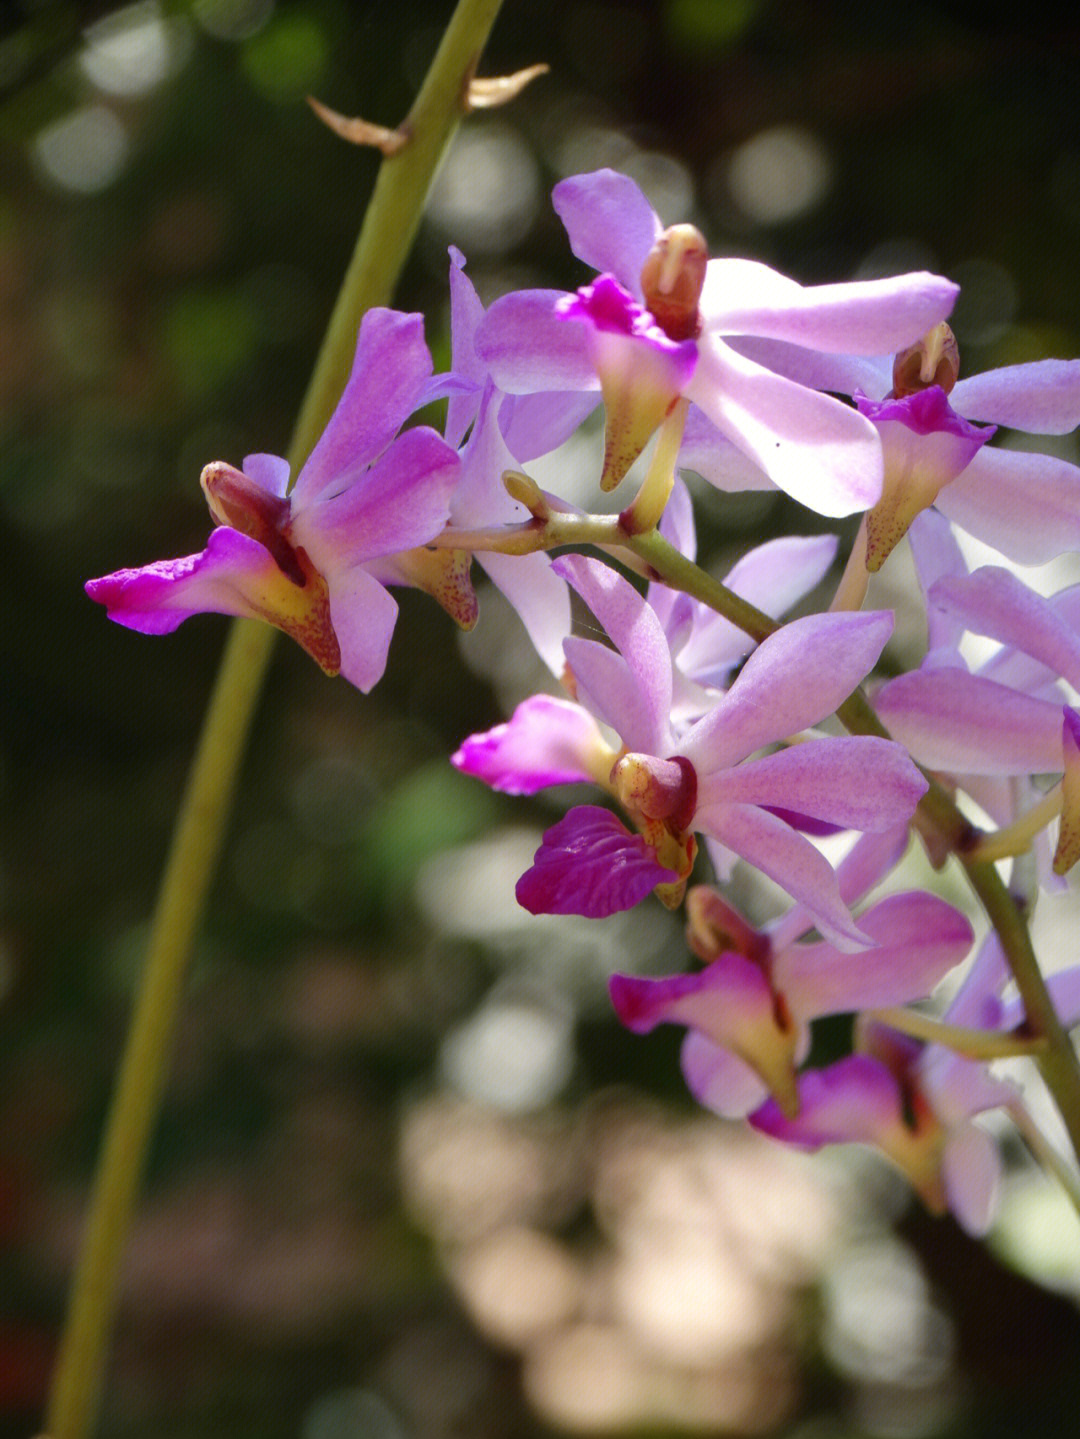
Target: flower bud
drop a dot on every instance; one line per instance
(672, 279)
(933, 360)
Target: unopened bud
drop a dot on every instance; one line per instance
(527, 492)
(933, 360)
(672, 279)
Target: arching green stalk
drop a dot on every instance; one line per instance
(389, 227)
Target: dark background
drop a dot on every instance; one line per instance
(408, 1165)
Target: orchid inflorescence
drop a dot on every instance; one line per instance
(698, 717)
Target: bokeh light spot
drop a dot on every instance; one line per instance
(84, 152)
(779, 174)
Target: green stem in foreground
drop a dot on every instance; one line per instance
(390, 224)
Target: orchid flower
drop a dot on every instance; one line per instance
(703, 780)
(314, 560)
(916, 1102)
(748, 1012)
(650, 330)
(1024, 504)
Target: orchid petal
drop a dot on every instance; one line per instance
(390, 366)
(719, 1079)
(854, 1100)
(269, 471)
(919, 938)
(590, 864)
(1042, 397)
(963, 724)
(546, 741)
(400, 503)
(528, 348)
(992, 601)
(610, 224)
(857, 782)
(792, 861)
(466, 312)
(839, 374)
(539, 596)
(773, 577)
(795, 678)
(863, 317)
(635, 697)
(234, 575)
(708, 452)
(1025, 505)
(819, 451)
(971, 1169)
(363, 614)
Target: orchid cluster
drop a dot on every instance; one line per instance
(701, 718)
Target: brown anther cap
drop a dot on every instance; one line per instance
(672, 279)
(933, 360)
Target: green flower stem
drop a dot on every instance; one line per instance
(971, 1043)
(390, 224)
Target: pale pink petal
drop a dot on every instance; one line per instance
(631, 690)
(993, 601)
(971, 1169)
(610, 224)
(546, 741)
(821, 452)
(792, 861)
(1025, 505)
(363, 614)
(720, 1080)
(862, 317)
(964, 724)
(1042, 397)
(540, 598)
(793, 680)
(856, 782)
(919, 938)
(527, 347)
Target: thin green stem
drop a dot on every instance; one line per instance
(389, 226)
(972, 1043)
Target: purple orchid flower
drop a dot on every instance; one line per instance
(916, 1102)
(703, 780)
(1024, 504)
(650, 329)
(748, 1013)
(314, 561)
